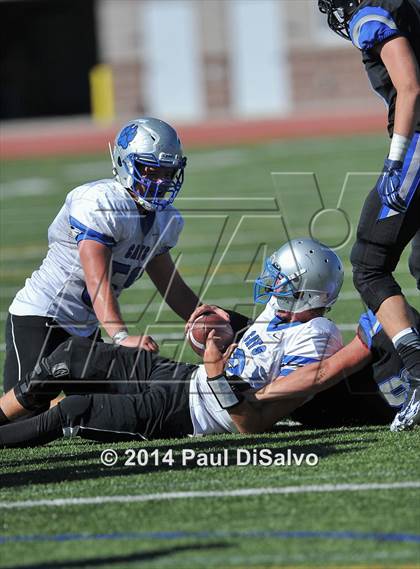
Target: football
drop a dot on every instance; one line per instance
(201, 328)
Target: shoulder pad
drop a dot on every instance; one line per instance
(370, 26)
(322, 325)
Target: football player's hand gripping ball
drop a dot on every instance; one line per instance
(203, 309)
(214, 359)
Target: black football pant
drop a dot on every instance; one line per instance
(114, 393)
(382, 237)
(28, 339)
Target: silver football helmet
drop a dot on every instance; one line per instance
(147, 159)
(301, 275)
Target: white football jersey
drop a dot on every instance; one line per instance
(102, 211)
(269, 348)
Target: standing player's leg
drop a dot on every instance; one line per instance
(382, 235)
(414, 261)
(28, 339)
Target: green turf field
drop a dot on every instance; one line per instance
(236, 211)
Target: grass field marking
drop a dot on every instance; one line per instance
(197, 163)
(216, 534)
(238, 493)
(222, 280)
(26, 187)
(324, 566)
(329, 567)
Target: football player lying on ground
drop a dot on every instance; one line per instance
(363, 383)
(116, 393)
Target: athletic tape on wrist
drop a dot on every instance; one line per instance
(399, 147)
(120, 337)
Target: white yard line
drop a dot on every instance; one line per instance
(26, 187)
(238, 493)
(219, 280)
(228, 279)
(200, 162)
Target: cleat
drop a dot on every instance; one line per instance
(409, 414)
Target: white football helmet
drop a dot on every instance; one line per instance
(301, 275)
(147, 159)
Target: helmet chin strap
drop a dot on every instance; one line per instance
(145, 204)
(114, 168)
(141, 202)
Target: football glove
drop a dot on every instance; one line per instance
(389, 184)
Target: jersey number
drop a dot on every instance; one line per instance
(394, 390)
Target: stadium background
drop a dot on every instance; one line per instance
(264, 98)
(200, 64)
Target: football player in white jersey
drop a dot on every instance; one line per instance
(105, 236)
(116, 392)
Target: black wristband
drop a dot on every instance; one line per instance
(226, 396)
(238, 384)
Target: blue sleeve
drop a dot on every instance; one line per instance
(371, 26)
(82, 232)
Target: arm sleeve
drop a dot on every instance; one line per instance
(95, 218)
(371, 26)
